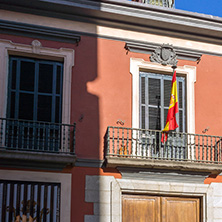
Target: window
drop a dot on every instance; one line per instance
(59, 104)
(138, 65)
(155, 90)
(29, 201)
(35, 90)
(34, 104)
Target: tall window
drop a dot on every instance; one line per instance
(34, 108)
(35, 90)
(155, 90)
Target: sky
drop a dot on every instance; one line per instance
(210, 7)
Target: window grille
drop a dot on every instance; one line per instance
(29, 201)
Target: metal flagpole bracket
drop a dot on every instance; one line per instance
(174, 67)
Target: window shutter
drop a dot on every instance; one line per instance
(155, 90)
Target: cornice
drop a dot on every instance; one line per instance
(36, 31)
(127, 15)
(182, 53)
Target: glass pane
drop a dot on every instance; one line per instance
(154, 119)
(165, 116)
(180, 95)
(143, 91)
(180, 121)
(12, 108)
(27, 76)
(45, 78)
(57, 110)
(26, 106)
(154, 92)
(14, 69)
(58, 79)
(167, 92)
(44, 108)
(143, 117)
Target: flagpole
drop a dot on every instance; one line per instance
(171, 123)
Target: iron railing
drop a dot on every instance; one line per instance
(164, 3)
(146, 144)
(37, 136)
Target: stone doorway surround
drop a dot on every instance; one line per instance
(105, 192)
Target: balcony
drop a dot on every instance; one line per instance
(128, 147)
(36, 144)
(163, 3)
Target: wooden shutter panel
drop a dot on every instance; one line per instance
(154, 95)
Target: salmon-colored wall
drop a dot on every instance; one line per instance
(102, 90)
(102, 93)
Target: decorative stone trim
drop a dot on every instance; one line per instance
(137, 64)
(17, 28)
(105, 192)
(35, 50)
(165, 55)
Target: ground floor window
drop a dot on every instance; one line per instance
(29, 201)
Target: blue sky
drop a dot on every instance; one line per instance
(210, 7)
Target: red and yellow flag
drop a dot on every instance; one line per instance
(171, 123)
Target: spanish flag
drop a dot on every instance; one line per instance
(171, 123)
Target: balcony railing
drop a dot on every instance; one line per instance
(33, 136)
(164, 3)
(146, 144)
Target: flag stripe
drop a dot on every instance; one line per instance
(171, 123)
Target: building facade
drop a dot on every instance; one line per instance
(84, 93)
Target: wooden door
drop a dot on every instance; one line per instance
(180, 209)
(140, 208)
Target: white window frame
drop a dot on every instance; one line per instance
(36, 50)
(137, 64)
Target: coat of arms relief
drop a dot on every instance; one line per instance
(164, 55)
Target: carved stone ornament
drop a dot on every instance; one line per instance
(36, 46)
(164, 55)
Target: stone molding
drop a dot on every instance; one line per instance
(137, 64)
(105, 192)
(35, 50)
(127, 14)
(114, 162)
(36, 31)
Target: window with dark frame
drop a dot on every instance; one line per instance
(155, 90)
(35, 89)
(34, 106)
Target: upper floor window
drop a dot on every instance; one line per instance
(155, 90)
(35, 90)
